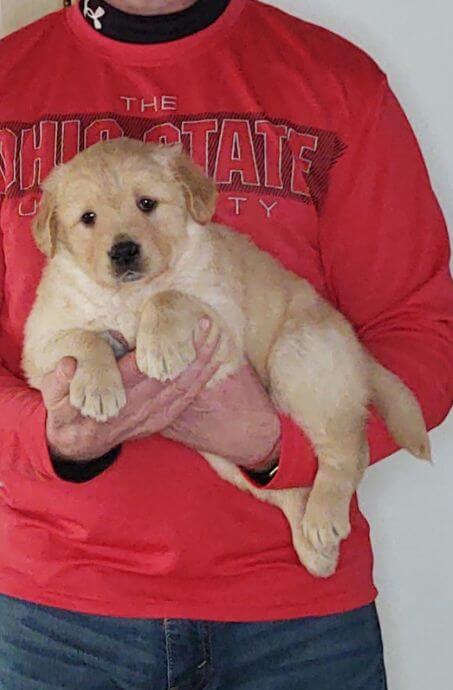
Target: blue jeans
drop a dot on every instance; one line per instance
(44, 648)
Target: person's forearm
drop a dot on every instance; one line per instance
(234, 419)
(23, 418)
(251, 441)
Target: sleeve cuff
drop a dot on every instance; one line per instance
(82, 472)
(33, 440)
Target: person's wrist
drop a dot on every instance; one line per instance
(265, 472)
(270, 453)
(269, 462)
(82, 441)
(79, 444)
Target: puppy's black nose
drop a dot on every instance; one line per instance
(124, 253)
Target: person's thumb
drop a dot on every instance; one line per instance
(55, 387)
(130, 373)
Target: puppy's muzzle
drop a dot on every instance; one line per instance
(125, 258)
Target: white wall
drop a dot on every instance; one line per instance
(410, 505)
(16, 13)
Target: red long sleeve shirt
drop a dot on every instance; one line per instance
(316, 161)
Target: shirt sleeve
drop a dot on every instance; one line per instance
(385, 252)
(23, 442)
(23, 438)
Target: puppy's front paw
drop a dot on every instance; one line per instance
(98, 392)
(164, 354)
(326, 521)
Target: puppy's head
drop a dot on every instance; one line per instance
(121, 209)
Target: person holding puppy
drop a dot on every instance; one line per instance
(125, 561)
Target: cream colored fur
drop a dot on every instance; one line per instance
(304, 351)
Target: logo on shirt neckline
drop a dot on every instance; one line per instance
(94, 15)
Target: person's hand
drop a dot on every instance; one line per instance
(151, 405)
(234, 419)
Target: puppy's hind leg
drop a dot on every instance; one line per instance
(292, 503)
(318, 376)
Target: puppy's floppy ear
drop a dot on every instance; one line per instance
(45, 224)
(199, 190)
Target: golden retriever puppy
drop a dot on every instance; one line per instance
(127, 230)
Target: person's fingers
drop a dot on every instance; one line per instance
(200, 337)
(198, 384)
(197, 374)
(168, 400)
(64, 414)
(175, 396)
(56, 384)
(177, 401)
(205, 354)
(132, 376)
(129, 371)
(180, 393)
(171, 402)
(201, 366)
(158, 394)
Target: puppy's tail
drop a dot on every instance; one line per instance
(400, 410)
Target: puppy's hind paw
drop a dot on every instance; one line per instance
(326, 522)
(322, 563)
(318, 562)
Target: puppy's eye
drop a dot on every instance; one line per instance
(146, 205)
(88, 218)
